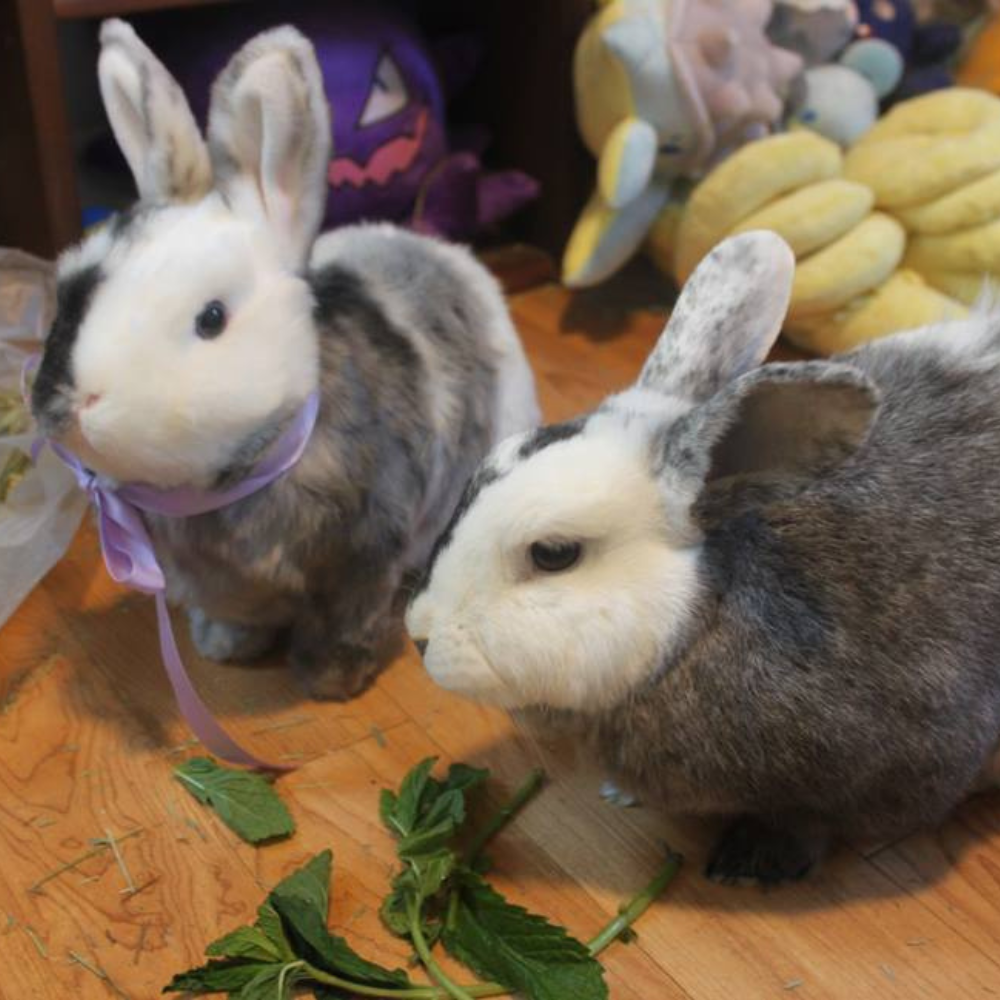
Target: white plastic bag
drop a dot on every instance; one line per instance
(42, 511)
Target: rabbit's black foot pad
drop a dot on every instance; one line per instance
(749, 852)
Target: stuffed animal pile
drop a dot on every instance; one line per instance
(894, 221)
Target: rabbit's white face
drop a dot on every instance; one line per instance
(184, 331)
(563, 582)
(194, 337)
(571, 571)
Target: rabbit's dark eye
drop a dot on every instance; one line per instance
(211, 321)
(554, 557)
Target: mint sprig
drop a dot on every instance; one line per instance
(439, 895)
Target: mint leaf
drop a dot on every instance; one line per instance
(301, 901)
(388, 803)
(393, 912)
(426, 841)
(423, 801)
(273, 983)
(519, 949)
(463, 778)
(310, 883)
(217, 977)
(245, 942)
(245, 802)
(311, 939)
(407, 806)
(430, 872)
(270, 924)
(449, 806)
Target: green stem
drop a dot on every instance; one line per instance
(529, 788)
(636, 906)
(430, 963)
(284, 975)
(400, 993)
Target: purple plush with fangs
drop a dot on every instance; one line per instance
(393, 157)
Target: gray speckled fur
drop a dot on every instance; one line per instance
(842, 675)
(322, 551)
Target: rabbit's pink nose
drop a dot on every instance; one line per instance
(90, 400)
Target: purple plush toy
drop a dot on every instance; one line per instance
(392, 156)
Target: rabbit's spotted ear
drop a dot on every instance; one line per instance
(726, 319)
(781, 420)
(269, 138)
(151, 119)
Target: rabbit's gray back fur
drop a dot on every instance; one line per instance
(852, 621)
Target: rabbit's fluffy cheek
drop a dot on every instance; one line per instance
(584, 640)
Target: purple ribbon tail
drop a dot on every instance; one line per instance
(203, 724)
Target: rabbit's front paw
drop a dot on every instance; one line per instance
(750, 852)
(343, 673)
(228, 641)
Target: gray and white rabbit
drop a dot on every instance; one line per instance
(192, 328)
(772, 594)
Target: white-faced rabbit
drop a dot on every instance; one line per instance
(771, 593)
(191, 329)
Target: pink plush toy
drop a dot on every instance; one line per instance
(735, 79)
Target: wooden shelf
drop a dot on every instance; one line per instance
(68, 9)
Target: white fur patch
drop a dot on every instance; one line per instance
(500, 630)
(170, 407)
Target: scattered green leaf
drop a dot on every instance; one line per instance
(522, 950)
(245, 802)
(301, 902)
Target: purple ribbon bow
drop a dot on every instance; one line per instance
(131, 560)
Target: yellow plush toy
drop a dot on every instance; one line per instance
(934, 163)
(848, 287)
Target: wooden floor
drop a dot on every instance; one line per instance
(89, 734)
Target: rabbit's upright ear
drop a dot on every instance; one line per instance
(151, 119)
(726, 319)
(782, 420)
(269, 138)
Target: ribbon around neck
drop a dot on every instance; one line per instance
(131, 559)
